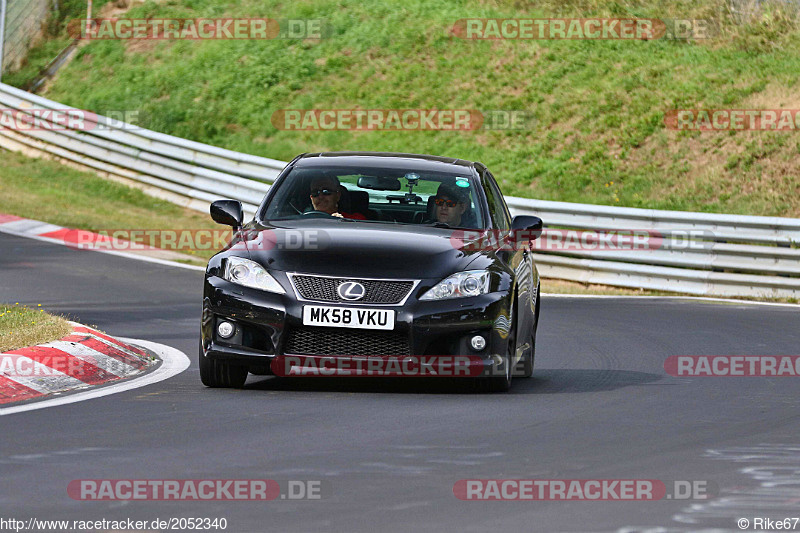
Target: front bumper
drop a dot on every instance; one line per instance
(268, 326)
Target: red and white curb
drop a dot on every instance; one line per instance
(85, 240)
(82, 360)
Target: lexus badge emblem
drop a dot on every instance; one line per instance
(351, 290)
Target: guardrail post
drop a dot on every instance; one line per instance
(89, 15)
(2, 34)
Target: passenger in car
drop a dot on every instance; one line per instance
(450, 203)
(325, 196)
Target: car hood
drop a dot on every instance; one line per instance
(362, 249)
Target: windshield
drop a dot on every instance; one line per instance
(390, 195)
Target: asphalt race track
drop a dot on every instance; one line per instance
(388, 452)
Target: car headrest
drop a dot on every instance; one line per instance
(359, 201)
(344, 200)
(430, 212)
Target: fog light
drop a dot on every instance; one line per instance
(226, 330)
(478, 343)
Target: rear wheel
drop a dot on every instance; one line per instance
(220, 374)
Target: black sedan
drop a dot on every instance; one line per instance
(373, 264)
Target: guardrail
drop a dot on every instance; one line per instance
(734, 255)
(186, 172)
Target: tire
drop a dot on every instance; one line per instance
(525, 366)
(218, 374)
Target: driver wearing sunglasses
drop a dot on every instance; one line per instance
(450, 203)
(325, 195)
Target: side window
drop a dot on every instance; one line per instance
(497, 207)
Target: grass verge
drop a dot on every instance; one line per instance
(598, 134)
(54, 193)
(21, 326)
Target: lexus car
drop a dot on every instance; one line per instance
(354, 260)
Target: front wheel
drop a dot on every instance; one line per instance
(526, 364)
(219, 374)
(501, 383)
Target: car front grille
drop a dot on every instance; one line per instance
(330, 341)
(322, 289)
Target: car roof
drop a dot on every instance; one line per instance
(383, 159)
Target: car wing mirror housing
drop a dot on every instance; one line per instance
(532, 225)
(228, 212)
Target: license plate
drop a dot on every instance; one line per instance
(348, 317)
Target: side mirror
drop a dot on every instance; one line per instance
(530, 224)
(228, 212)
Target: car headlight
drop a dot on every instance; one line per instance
(461, 285)
(250, 274)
